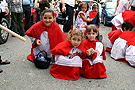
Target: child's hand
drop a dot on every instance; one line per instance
(90, 51)
(38, 42)
(90, 20)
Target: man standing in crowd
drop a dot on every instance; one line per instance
(17, 16)
(27, 4)
(68, 7)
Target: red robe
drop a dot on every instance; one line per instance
(128, 15)
(61, 71)
(55, 35)
(113, 35)
(131, 41)
(93, 15)
(126, 35)
(97, 70)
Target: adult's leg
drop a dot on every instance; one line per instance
(37, 15)
(27, 12)
(14, 22)
(0, 17)
(132, 8)
(70, 13)
(21, 24)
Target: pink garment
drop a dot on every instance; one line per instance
(80, 24)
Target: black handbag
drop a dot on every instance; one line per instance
(63, 19)
(41, 60)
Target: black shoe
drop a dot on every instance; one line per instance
(5, 62)
(13, 36)
(22, 35)
(1, 71)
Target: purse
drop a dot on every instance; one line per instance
(41, 60)
(63, 19)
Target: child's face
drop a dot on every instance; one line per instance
(47, 19)
(75, 40)
(91, 35)
(84, 8)
(95, 9)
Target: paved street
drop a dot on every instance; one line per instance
(22, 74)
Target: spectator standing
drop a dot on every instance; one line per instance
(3, 12)
(3, 9)
(17, 16)
(37, 11)
(27, 4)
(40, 6)
(68, 7)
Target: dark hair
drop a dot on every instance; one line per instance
(49, 0)
(47, 10)
(128, 25)
(83, 3)
(43, 4)
(94, 28)
(94, 6)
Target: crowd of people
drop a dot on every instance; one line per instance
(77, 50)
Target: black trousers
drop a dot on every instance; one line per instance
(27, 12)
(1, 15)
(132, 8)
(70, 13)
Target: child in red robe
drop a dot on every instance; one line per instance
(127, 15)
(130, 52)
(120, 46)
(94, 15)
(45, 35)
(93, 65)
(68, 56)
(113, 35)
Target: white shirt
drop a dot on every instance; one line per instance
(133, 3)
(70, 2)
(123, 4)
(2, 5)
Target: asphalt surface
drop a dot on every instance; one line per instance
(21, 74)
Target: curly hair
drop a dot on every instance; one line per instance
(77, 32)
